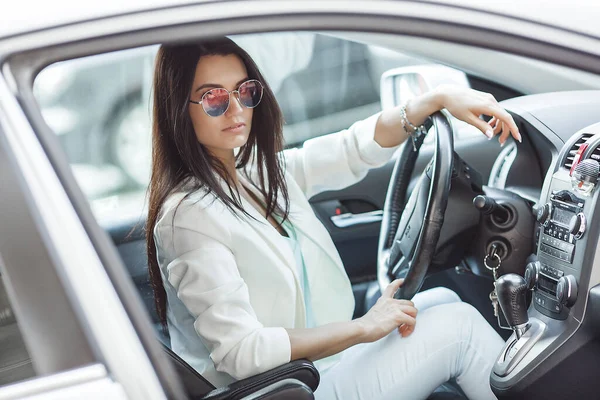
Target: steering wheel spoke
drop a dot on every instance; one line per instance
(410, 232)
(400, 269)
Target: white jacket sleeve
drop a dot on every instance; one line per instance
(207, 281)
(337, 160)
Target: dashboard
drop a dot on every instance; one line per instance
(556, 170)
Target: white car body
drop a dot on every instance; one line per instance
(127, 363)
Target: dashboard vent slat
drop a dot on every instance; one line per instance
(568, 163)
(595, 154)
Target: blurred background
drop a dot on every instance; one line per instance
(100, 106)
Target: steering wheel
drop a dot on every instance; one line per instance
(410, 232)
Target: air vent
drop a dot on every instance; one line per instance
(573, 150)
(595, 154)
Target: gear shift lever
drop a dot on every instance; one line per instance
(512, 298)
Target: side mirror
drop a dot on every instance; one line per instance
(399, 85)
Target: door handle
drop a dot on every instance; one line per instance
(348, 219)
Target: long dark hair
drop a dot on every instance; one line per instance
(178, 157)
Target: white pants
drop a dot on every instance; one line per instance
(451, 340)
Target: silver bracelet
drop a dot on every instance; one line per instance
(411, 130)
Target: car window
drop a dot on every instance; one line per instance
(99, 106)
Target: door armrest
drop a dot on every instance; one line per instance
(287, 389)
(302, 371)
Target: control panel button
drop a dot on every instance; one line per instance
(566, 290)
(548, 303)
(531, 273)
(577, 225)
(557, 248)
(543, 213)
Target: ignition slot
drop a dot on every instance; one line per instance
(499, 247)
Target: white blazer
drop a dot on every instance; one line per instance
(231, 281)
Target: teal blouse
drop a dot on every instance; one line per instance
(292, 239)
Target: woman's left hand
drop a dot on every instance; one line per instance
(468, 104)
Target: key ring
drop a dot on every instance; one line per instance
(485, 261)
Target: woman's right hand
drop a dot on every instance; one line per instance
(388, 314)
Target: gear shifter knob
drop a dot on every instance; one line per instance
(512, 298)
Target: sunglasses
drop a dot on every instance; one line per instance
(216, 101)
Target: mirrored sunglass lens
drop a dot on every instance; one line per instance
(215, 102)
(250, 93)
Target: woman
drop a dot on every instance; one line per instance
(245, 275)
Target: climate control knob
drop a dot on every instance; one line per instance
(577, 225)
(543, 214)
(566, 290)
(532, 271)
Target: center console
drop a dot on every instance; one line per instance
(563, 223)
(560, 274)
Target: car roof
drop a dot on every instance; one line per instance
(575, 15)
(31, 15)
